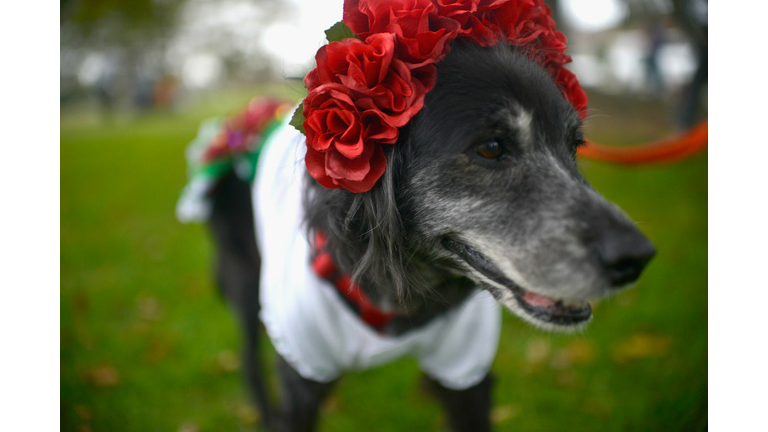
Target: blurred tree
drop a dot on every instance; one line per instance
(132, 40)
(131, 33)
(127, 18)
(691, 17)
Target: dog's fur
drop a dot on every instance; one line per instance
(443, 220)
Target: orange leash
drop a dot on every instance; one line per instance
(669, 149)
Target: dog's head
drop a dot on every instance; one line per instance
(483, 184)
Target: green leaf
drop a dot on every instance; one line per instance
(338, 32)
(297, 120)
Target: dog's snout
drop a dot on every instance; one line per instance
(623, 254)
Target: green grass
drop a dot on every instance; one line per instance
(146, 342)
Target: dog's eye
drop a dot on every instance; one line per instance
(489, 149)
(578, 139)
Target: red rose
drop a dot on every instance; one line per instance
(364, 63)
(458, 10)
(553, 40)
(536, 23)
(550, 60)
(376, 80)
(311, 80)
(518, 21)
(322, 166)
(422, 35)
(483, 23)
(400, 96)
(572, 91)
(344, 143)
(365, 17)
(333, 120)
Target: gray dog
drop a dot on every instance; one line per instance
(481, 201)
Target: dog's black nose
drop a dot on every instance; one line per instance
(623, 253)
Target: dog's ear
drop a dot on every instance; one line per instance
(365, 232)
(381, 229)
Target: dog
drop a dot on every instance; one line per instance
(481, 204)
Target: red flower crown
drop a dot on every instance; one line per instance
(372, 76)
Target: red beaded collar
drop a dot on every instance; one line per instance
(323, 265)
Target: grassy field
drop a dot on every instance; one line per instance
(147, 344)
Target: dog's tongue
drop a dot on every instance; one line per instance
(534, 299)
(556, 307)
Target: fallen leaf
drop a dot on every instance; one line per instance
(566, 378)
(331, 404)
(642, 345)
(149, 308)
(228, 361)
(158, 349)
(156, 248)
(537, 352)
(577, 352)
(627, 298)
(80, 302)
(248, 414)
(83, 412)
(597, 408)
(503, 413)
(84, 336)
(193, 286)
(189, 426)
(103, 376)
(142, 326)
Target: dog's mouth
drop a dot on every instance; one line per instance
(536, 306)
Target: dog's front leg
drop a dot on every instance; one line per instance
(301, 399)
(469, 409)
